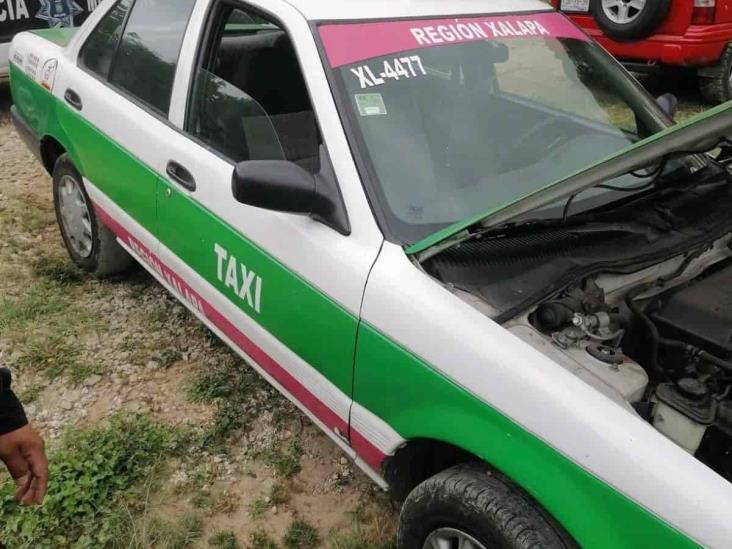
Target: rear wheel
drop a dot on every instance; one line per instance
(716, 83)
(90, 244)
(629, 19)
(471, 507)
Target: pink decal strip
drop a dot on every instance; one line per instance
(347, 43)
(366, 451)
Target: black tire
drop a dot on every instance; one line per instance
(644, 24)
(714, 82)
(482, 504)
(107, 257)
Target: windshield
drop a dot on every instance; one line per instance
(453, 117)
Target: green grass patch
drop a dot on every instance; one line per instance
(168, 534)
(301, 535)
(224, 540)
(232, 387)
(98, 483)
(54, 357)
(59, 271)
(42, 302)
(285, 461)
(258, 507)
(361, 539)
(262, 540)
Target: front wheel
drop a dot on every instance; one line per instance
(90, 243)
(471, 507)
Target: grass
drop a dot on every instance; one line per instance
(98, 482)
(361, 539)
(170, 534)
(301, 535)
(286, 462)
(169, 357)
(59, 271)
(373, 526)
(45, 302)
(224, 540)
(280, 493)
(258, 507)
(262, 540)
(234, 389)
(53, 357)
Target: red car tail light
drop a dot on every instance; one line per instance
(704, 12)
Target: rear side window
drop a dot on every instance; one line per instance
(98, 51)
(148, 53)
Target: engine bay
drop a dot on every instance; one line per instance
(679, 330)
(635, 300)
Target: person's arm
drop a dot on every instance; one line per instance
(21, 448)
(12, 415)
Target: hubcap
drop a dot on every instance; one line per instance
(623, 11)
(450, 538)
(75, 216)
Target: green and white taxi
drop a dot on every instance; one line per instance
(457, 234)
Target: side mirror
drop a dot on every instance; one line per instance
(283, 186)
(669, 104)
(276, 185)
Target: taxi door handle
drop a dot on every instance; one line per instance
(73, 99)
(181, 176)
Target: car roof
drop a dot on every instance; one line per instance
(391, 9)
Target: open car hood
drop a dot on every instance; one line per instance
(702, 130)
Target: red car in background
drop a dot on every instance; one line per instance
(650, 34)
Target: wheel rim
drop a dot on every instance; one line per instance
(75, 216)
(450, 538)
(623, 12)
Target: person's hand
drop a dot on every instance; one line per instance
(23, 453)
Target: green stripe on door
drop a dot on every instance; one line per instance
(307, 321)
(419, 402)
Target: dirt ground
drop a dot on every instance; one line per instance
(85, 350)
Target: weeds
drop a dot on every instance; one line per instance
(95, 475)
(361, 539)
(301, 535)
(262, 540)
(224, 540)
(171, 534)
(59, 271)
(287, 462)
(169, 357)
(53, 357)
(280, 493)
(258, 507)
(232, 387)
(42, 301)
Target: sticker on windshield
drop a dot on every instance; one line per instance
(370, 104)
(349, 43)
(392, 69)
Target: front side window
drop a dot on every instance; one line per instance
(98, 51)
(455, 117)
(249, 99)
(148, 52)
